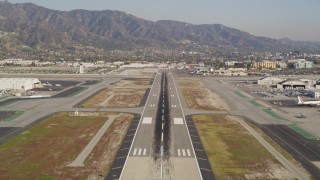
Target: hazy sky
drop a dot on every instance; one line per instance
(295, 19)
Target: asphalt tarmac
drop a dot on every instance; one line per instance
(203, 161)
(145, 97)
(302, 149)
(9, 101)
(91, 82)
(289, 104)
(6, 131)
(69, 92)
(119, 161)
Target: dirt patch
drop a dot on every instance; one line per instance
(45, 150)
(187, 79)
(190, 83)
(204, 99)
(116, 97)
(133, 83)
(234, 153)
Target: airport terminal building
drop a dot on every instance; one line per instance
(18, 83)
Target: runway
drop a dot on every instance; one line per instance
(162, 147)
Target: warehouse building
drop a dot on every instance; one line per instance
(270, 81)
(296, 84)
(18, 83)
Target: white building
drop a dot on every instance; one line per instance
(303, 64)
(18, 83)
(20, 62)
(81, 69)
(270, 81)
(296, 60)
(230, 63)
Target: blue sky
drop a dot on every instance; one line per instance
(295, 19)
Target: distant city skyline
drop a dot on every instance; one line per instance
(294, 19)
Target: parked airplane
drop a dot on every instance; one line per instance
(311, 103)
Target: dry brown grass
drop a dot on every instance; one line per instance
(116, 97)
(190, 83)
(133, 83)
(43, 151)
(200, 98)
(234, 153)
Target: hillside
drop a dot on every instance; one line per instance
(39, 27)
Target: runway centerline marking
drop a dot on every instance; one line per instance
(161, 151)
(161, 137)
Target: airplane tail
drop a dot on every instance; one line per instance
(300, 101)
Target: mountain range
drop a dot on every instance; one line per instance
(39, 27)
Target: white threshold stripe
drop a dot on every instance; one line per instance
(183, 152)
(188, 152)
(144, 151)
(139, 152)
(179, 154)
(135, 151)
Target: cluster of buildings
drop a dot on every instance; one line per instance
(21, 62)
(311, 86)
(272, 64)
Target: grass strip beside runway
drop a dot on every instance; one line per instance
(302, 132)
(255, 103)
(232, 151)
(274, 115)
(240, 94)
(8, 102)
(9, 115)
(3, 97)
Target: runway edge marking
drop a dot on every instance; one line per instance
(134, 137)
(174, 82)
